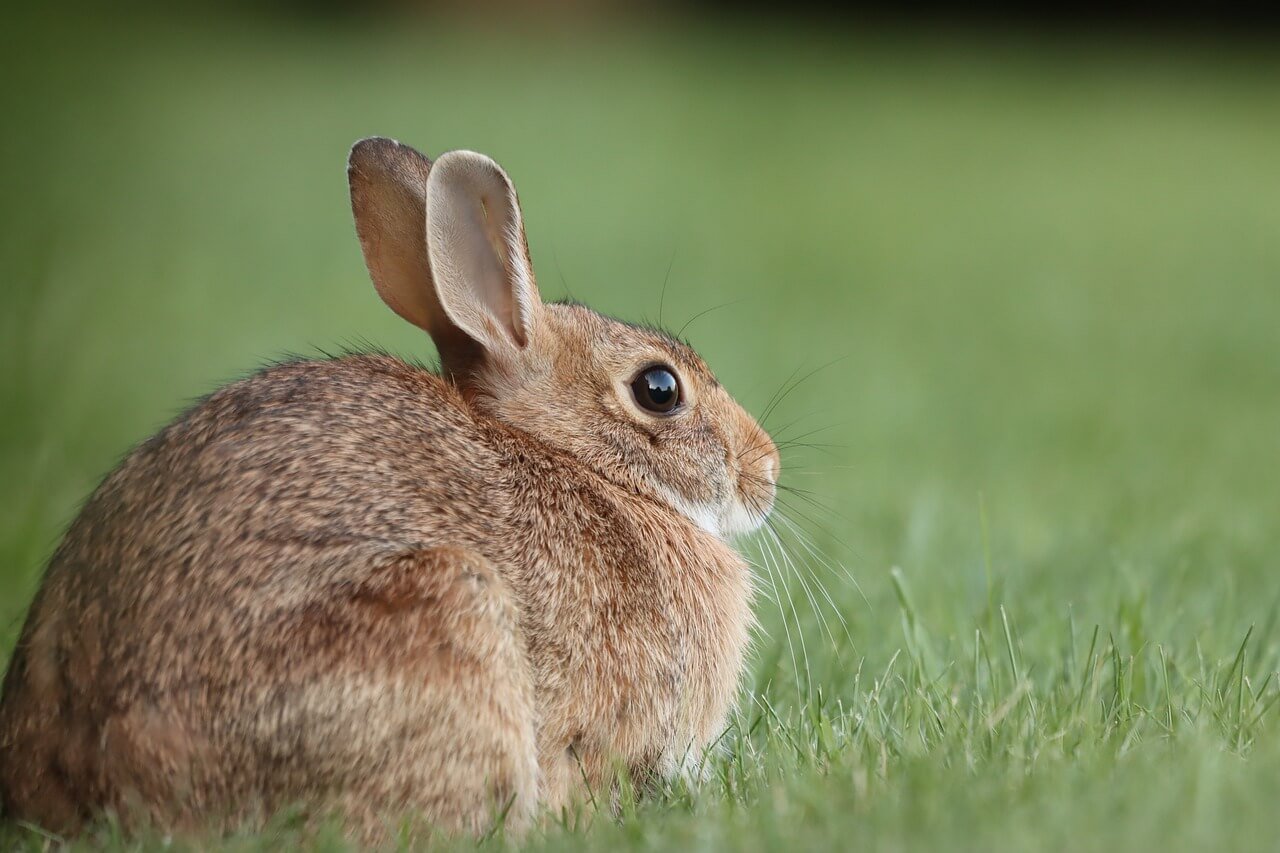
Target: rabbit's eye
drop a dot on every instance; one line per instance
(657, 390)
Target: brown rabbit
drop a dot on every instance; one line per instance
(355, 585)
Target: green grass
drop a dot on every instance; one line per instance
(1049, 272)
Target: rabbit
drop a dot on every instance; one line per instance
(362, 588)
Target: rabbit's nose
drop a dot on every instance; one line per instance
(770, 466)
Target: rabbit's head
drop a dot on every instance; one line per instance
(445, 245)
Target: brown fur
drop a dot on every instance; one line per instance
(354, 585)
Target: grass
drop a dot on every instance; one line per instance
(1048, 449)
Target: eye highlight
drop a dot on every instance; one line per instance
(657, 390)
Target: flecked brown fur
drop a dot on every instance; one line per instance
(355, 585)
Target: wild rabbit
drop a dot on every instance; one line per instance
(357, 586)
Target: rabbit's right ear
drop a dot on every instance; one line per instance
(388, 183)
(479, 254)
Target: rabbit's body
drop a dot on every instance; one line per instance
(355, 585)
(596, 578)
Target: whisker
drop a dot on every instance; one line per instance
(816, 524)
(824, 449)
(822, 588)
(768, 407)
(780, 433)
(795, 614)
(703, 313)
(809, 498)
(563, 281)
(761, 449)
(774, 405)
(759, 580)
(813, 575)
(782, 613)
(844, 572)
(662, 295)
(799, 576)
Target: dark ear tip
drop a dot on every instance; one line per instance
(381, 151)
(367, 149)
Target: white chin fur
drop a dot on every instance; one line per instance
(720, 522)
(705, 517)
(738, 520)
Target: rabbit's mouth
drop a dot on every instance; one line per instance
(741, 519)
(755, 486)
(752, 502)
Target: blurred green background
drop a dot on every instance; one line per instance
(1045, 266)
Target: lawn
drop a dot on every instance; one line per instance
(1017, 299)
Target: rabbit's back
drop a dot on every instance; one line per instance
(257, 497)
(200, 577)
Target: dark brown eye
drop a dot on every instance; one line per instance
(656, 389)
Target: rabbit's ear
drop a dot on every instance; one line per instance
(389, 199)
(478, 253)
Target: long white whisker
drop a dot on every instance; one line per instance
(804, 649)
(843, 572)
(813, 576)
(803, 532)
(799, 575)
(759, 582)
(782, 613)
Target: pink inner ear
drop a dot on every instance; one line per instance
(476, 245)
(494, 282)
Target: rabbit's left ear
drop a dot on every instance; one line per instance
(388, 198)
(478, 253)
